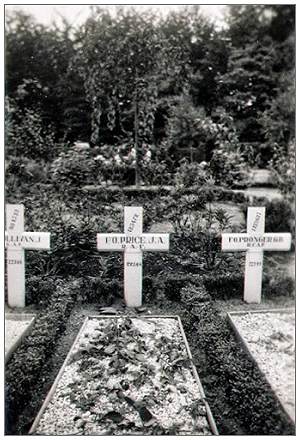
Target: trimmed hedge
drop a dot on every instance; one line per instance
(39, 290)
(280, 215)
(99, 290)
(229, 376)
(216, 193)
(26, 363)
(160, 287)
(224, 286)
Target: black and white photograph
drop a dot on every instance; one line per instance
(149, 219)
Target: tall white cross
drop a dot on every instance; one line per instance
(16, 240)
(133, 242)
(255, 242)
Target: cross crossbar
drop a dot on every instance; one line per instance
(133, 242)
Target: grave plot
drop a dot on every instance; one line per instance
(269, 339)
(17, 326)
(127, 375)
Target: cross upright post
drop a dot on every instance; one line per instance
(255, 242)
(133, 242)
(16, 241)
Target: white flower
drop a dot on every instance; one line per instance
(132, 153)
(100, 157)
(81, 145)
(118, 159)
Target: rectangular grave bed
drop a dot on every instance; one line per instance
(268, 337)
(17, 327)
(127, 375)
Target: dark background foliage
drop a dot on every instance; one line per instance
(171, 84)
(181, 92)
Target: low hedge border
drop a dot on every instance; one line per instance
(213, 193)
(228, 375)
(229, 379)
(99, 290)
(216, 193)
(25, 365)
(159, 287)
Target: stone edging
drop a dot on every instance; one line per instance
(61, 371)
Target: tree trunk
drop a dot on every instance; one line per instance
(136, 146)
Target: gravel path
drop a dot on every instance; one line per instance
(14, 329)
(271, 340)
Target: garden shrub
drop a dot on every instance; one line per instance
(231, 377)
(115, 193)
(156, 173)
(208, 191)
(280, 216)
(230, 284)
(174, 284)
(153, 289)
(190, 174)
(98, 290)
(76, 166)
(283, 165)
(232, 196)
(39, 290)
(192, 295)
(198, 235)
(228, 168)
(279, 285)
(73, 238)
(117, 163)
(26, 133)
(28, 360)
(149, 291)
(224, 286)
(27, 171)
(190, 133)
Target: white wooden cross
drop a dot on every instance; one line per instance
(255, 242)
(16, 240)
(133, 242)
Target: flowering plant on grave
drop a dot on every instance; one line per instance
(127, 375)
(200, 229)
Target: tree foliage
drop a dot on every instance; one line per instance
(159, 82)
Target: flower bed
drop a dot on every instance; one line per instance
(127, 375)
(17, 326)
(269, 339)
